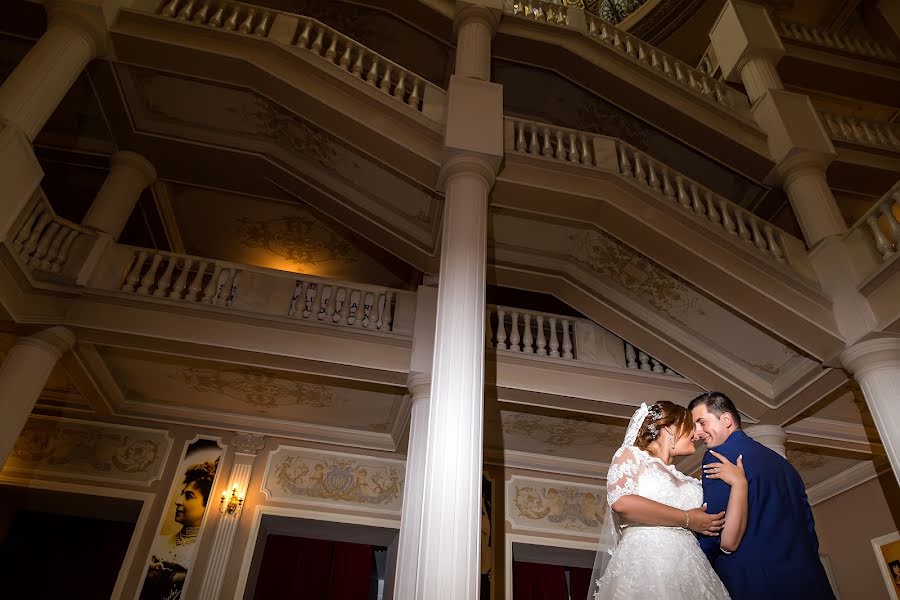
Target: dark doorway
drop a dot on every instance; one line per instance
(548, 573)
(62, 545)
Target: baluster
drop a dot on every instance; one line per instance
(683, 197)
(170, 8)
(317, 309)
(360, 316)
(400, 88)
(666, 66)
(721, 96)
(53, 249)
(202, 13)
(185, 13)
(501, 329)
(654, 60)
(533, 144)
(197, 283)
(216, 19)
(47, 236)
(641, 53)
(331, 52)
(212, 286)
(179, 287)
(697, 201)
(573, 149)
(134, 274)
(358, 65)
(150, 276)
(308, 287)
(547, 148)
(514, 338)
(520, 138)
(372, 77)
(541, 340)
(630, 357)
(617, 40)
(759, 239)
(560, 146)
(567, 340)
(35, 237)
(554, 340)
(224, 287)
(60, 261)
(232, 292)
(624, 163)
(340, 313)
(774, 247)
(231, 22)
(354, 304)
(318, 42)
(656, 366)
(668, 189)
(585, 151)
(162, 286)
(679, 72)
(727, 221)
(374, 313)
(743, 232)
(413, 99)
(644, 360)
(25, 232)
(346, 57)
(262, 28)
(629, 46)
(653, 178)
(711, 211)
(295, 298)
(671, 372)
(387, 313)
(247, 25)
(528, 339)
(639, 173)
(331, 303)
(386, 80)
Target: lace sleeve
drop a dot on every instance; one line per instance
(622, 479)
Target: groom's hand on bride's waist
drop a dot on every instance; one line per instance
(703, 522)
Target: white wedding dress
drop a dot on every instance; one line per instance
(650, 562)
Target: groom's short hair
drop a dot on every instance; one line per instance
(718, 404)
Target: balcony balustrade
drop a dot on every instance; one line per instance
(835, 40)
(865, 133)
(600, 152)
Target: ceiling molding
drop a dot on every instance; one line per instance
(842, 482)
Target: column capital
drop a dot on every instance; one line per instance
(133, 160)
(57, 340)
(485, 11)
(799, 162)
(471, 164)
(419, 385)
(872, 354)
(248, 443)
(795, 132)
(772, 437)
(85, 19)
(743, 32)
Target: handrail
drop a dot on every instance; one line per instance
(835, 40)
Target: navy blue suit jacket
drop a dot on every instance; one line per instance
(778, 557)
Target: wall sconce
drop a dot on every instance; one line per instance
(231, 505)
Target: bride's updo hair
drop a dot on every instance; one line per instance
(662, 415)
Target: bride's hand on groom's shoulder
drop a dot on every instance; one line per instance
(731, 473)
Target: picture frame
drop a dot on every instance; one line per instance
(887, 554)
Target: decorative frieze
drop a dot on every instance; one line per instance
(114, 453)
(304, 476)
(554, 506)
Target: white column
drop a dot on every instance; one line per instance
(875, 364)
(475, 26)
(806, 186)
(23, 376)
(37, 85)
(246, 447)
(419, 385)
(772, 437)
(129, 175)
(451, 512)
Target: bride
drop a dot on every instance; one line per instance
(647, 545)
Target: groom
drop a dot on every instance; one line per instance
(778, 557)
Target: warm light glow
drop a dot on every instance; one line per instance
(231, 505)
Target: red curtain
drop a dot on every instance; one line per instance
(579, 582)
(294, 568)
(534, 581)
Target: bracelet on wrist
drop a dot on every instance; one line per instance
(687, 520)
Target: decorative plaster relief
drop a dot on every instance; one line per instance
(299, 239)
(297, 475)
(554, 506)
(90, 450)
(255, 387)
(552, 433)
(239, 118)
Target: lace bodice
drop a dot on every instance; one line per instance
(636, 472)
